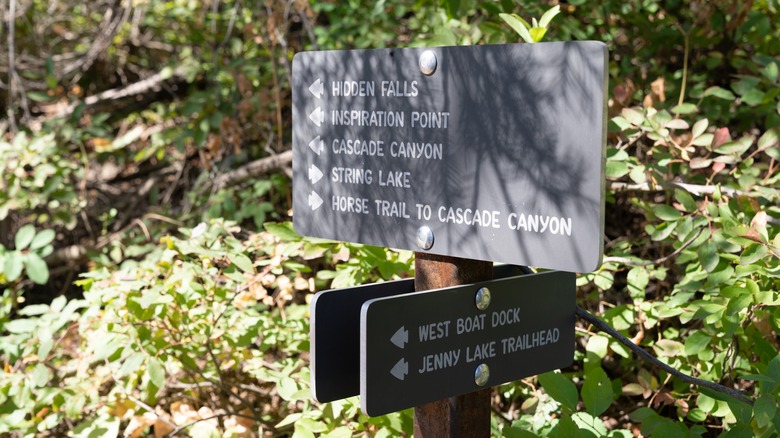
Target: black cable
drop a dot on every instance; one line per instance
(606, 328)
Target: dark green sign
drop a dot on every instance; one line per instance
(424, 346)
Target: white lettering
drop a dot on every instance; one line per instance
(350, 204)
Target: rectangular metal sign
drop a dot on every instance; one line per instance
(335, 333)
(425, 346)
(499, 150)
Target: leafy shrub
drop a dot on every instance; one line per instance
(194, 333)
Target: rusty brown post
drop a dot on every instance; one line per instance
(466, 415)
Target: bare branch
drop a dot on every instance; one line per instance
(11, 65)
(254, 169)
(694, 189)
(151, 83)
(628, 261)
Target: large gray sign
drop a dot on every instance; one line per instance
(484, 152)
(425, 346)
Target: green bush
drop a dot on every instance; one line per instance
(189, 308)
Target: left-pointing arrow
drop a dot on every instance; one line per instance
(400, 338)
(314, 200)
(400, 369)
(317, 89)
(315, 174)
(317, 145)
(317, 116)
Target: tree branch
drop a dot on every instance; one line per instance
(606, 328)
(153, 82)
(695, 189)
(254, 169)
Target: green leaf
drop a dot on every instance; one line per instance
(604, 280)
(765, 409)
(696, 343)
(616, 169)
(685, 108)
(685, 198)
(537, 33)
(708, 256)
(633, 389)
(36, 268)
(769, 139)
(677, 124)
(282, 230)
(700, 163)
(752, 254)
(719, 92)
(699, 127)
(519, 25)
(131, 364)
(668, 348)
(753, 97)
(664, 230)
(549, 15)
(39, 96)
(14, 262)
(638, 174)
(597, 391)
(45, 348)
(703, 140)
(621, 123)
(633, 116)
(697, 415)
(242, 262)
(156, 372)
(287, 387)
(598, 345)
(734, 147)
(666, 213)
(770, 72)
(42, 239)
(41, 375)
(34, 310)
(24, 236)
(589, 425)
(637, 279)
(561, 389)
(19, 326)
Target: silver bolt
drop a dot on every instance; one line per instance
(483, 298)
(481, 374)
(428, 62)
(424, 237)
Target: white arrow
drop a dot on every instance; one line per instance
(314, 200)
(317, 116)
(400, 369)
(317, 89)
(317, 145)
(315, 174)
(400, 338)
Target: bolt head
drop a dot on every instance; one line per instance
(424, 237)
(483, 298)
(428, 62)
(481, 375)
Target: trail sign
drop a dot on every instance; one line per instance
(424, 346)
(335, 333)
(484, 152)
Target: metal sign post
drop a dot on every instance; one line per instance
(466, 415)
